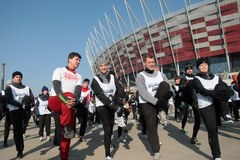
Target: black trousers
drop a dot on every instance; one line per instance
(83, 115)
(150, 117)
(197, 119)
(57, 130)
(107, 117)
(16, 119)
(7, 125)
(26, 115)
(209, 118)
(236, 106)
(45, 121)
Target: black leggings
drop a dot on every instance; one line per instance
(107, 117)
(16, 119)
(83, 115)
(197, 120)
(209, 118)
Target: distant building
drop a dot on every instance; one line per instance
(210, 28)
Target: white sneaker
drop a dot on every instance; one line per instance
(109, 158)
(49, 138)
(163, 118)
(41, 139)
(156, 156)
(121, 122)
(218, 159)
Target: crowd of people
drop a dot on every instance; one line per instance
(104, 100)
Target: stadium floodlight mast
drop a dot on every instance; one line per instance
(91, 58)
(121, 36)
(103, 29)
(118, 16)
(169, 39)
(129, 10)
(109, 53)
(93, 69)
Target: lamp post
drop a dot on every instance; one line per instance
(3, 75)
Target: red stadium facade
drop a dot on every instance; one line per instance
(207, 29)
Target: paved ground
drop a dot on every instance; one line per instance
(176, 145)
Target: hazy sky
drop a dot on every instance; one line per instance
(36, 36)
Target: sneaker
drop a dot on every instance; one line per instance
(178, 120)
(81, 139)
(68, 132)
(121, 122)
(163, 118)
(227, 119)
(195, 141)
(144, 136)
(121, 139)
(49, 138)
(20, 155)
(218, 159)
(109, 158)
(156, 156)
(112, 145)
(41, 139)
(183, 131)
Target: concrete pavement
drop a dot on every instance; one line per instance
(176, 145)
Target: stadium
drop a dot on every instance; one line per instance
(209, 28)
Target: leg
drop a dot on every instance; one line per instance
(41, 125)
(209, 118)
(48, 124)
(7, 125)
(150, 117)
(84, 117)
(16, 119)
(107, 117)
(57, 131)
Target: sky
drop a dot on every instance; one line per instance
(36, 36)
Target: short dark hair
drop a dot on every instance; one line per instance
(177, 77)
(86, 80)
(74, 54)
(147, 56)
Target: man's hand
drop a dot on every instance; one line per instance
(71, 102)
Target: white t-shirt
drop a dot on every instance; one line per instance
(68, 80)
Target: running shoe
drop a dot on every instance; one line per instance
(156, 156)
(121, 121)
(109, 158)
(41, 139)
(195, 141)
(184, 131)
(121, 139)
